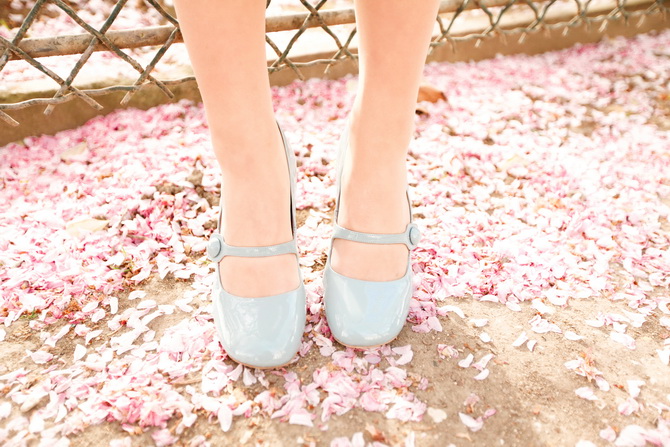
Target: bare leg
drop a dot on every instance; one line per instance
(226, 44)
(394, 41)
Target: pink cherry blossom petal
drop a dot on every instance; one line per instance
(586, 392)
(624, 339)
(608, 434)
(79, 352)
(470, 422)
(523, 338)
(467, 361)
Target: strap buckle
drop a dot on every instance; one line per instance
(413, 235)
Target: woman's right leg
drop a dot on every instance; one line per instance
(226, 44)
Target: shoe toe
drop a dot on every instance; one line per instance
(365, 313)
(261, 332)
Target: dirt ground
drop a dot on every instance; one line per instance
(533, 394)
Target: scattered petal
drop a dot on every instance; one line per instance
(473, 424)
(79, 352)
(586, 392)
(624, 339)
(466, 361)
(523, 338)
(436, 414)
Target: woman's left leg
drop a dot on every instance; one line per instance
(394, 41)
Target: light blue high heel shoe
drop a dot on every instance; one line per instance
(264, 332)
(365, 314)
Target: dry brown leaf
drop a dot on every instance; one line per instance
(375, 434)
(430, 93)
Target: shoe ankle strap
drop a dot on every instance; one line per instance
(410, 237)
(217, 249)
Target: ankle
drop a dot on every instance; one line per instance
(248, 156)
(374, 207)
(247, 149)
(256, 211)
(378, 144)
(380, 118)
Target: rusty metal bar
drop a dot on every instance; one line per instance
(157, 35)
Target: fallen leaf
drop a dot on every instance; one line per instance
(430, 93)
(375, 434)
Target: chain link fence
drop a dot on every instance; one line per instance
(457, 20)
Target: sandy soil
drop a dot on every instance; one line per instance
(533, 395)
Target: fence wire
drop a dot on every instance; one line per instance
(458, 20)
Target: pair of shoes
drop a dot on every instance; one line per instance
(365, 314)
(264, 332)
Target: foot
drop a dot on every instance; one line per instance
(373, 200)
(256, 201)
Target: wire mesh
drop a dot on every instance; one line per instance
(458, 20)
